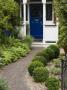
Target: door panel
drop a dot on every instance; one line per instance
(36, 21)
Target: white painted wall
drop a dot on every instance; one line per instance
(51, 33)
(21, 33)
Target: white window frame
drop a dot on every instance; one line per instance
(50, 22)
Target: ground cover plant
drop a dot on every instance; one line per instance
(49, 57)
(52, 83)
(3, 85)
(13, 50)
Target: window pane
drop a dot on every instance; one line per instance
(48, 11)
(37, 10)
(35, 0)
(49, 0)
(26, 13)
(22, 12)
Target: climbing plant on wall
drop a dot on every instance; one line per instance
(60, 7)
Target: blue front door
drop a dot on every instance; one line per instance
(36, 21)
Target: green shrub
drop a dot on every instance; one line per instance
(40, 74)
(6, 55)
(3, 85)
(12, 54)
(55, 71)
(11, 41)
(28, 40)
(41, 59)
(25, 47)
(52, 83)
(48, 54)
(39, 53)
(56, 50)
(44, 54)
(12, 50)
(33, 65)
(1, 62)
(57, 62)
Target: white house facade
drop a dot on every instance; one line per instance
(39, 21)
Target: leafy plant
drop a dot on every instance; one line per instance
(41, 59)
(3, 85)
(57, 62)
(1, 62)
(33, 65)
(63, 38)
(9, 18)
(6, 55)
(56, 50)
(60, 7)
(12, 51)
(55, 71)
(48, 54)
(40, 74)
(28, 40)
(52, 83)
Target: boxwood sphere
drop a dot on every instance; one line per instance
(40, 74)
(41, 59)
(56, 50)
(48, 53)
(33, 65)
(52, 83)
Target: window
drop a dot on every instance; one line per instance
(26, 13)
(22, 12)
(49, 14)
(48, 11)
(35, 0)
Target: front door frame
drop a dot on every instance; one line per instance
(37, 3)
(44, 17)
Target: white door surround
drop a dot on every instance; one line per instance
(50, 29)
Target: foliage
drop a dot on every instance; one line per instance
(12, 51)
(49, 52)
(56, 50)
(28, 40)
(57, 62)
(40, 74)
(40, 53)
(61, 12)
(33, 65)
(3, 85)
(63, 37)
(55, 71)
(9, 18)
(52, 83)
(1, 62)
(41, 59)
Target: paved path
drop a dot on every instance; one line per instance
(15, 72)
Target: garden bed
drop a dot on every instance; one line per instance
(33, 85)
(46, 69)
(53, 72)
(14, 49)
